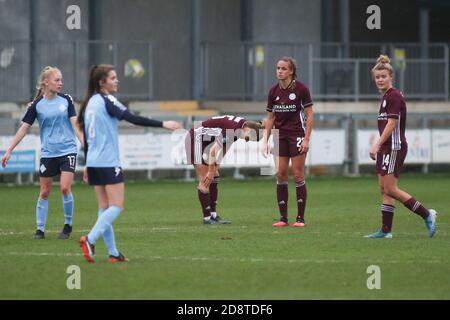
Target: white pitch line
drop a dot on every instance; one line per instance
(242, 260)
(52, 254)
(229, 229)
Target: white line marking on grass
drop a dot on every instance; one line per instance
(67, 254)
(212, 259)
(11, 233)
(228, 229)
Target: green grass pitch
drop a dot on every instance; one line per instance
(174, 256)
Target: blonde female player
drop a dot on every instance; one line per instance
(390, 152)
(56, 115)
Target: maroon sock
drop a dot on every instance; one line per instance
(387, 216)
(301, 198)
(213, 192)
(282, 198)
(416, 207)
(205, 203)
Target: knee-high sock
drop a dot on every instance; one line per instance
(300, 187)
(214, 193)
(205, 202)
(282, 198)
(68, 203)
(416, 207)
(387, 216)
(41, 213)
(109, 238)
(103, 222)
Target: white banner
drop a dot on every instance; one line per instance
(441, 145)
(146, 151)
(29, 142)
(327, 147)
(167, 150)
(246, 154)
(419, 145)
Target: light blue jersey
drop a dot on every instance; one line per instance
(101, 121)
(56, 131)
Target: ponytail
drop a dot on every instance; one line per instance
(97, 73)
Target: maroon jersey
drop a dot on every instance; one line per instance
(393, 106)
(288, 106)
(221, 127)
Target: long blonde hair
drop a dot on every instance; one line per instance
(45, 74)
(383, 63)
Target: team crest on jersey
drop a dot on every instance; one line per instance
(292, 96)
(62, 107)
(277, 98)
(383, 104)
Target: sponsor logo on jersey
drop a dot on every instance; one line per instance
(292, 96)
(284, 108)
(382, 116)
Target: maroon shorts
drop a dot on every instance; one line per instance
(391, 161)
(197, 147)
(287, 146)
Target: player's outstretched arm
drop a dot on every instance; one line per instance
(118, 110)
(148, 122)
(172, 125)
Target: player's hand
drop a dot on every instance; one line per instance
(85, 175)
(172, 125)
(5, 158)
(374, 150)
(304, 147)
(265, 149)
(208, 179)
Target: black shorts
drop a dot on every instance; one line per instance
(50, 167)
(104, 176)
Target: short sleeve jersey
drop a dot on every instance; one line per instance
(222, 128)
(56, 132)
(288, 107)
(393, 106)
(101, 121)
